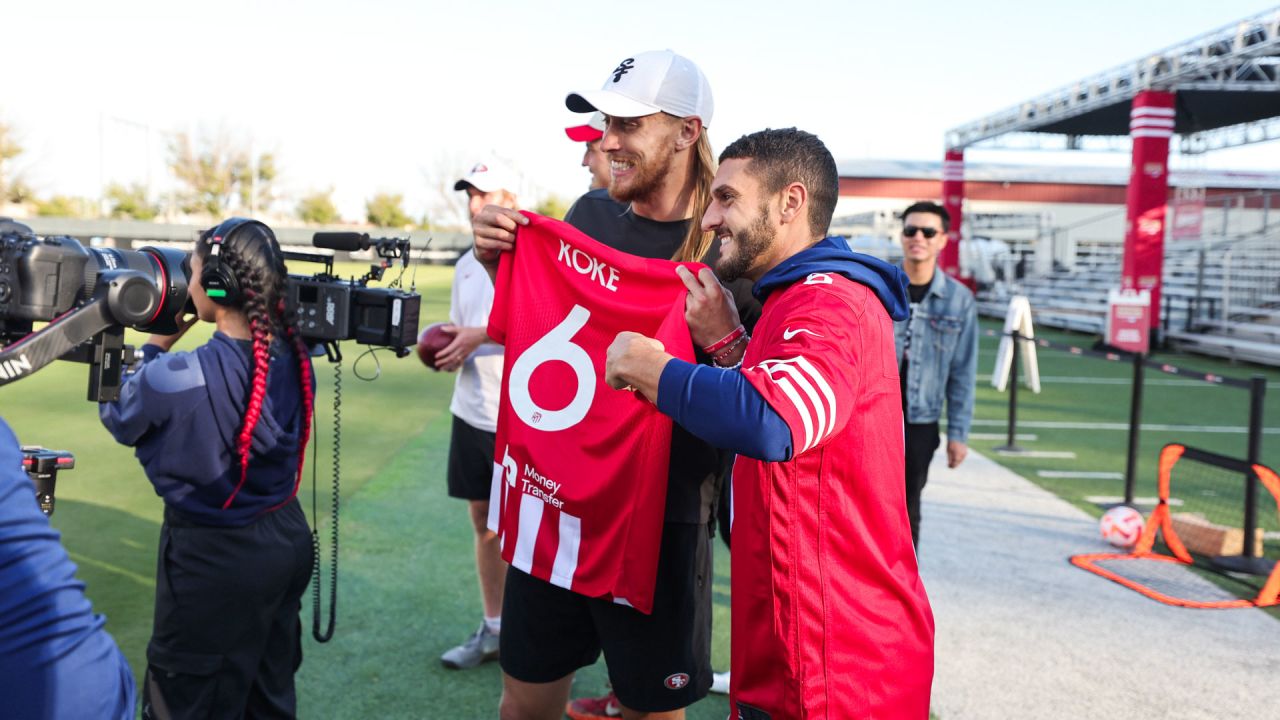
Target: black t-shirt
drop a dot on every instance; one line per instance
(695, 466)
(916, 293)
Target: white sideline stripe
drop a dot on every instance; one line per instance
(1080, 474)
(1065, 425)
(1058, 454)
(1030, 437)
(1077, 380)
(566, 563)
(1116, 499)
(527, 534)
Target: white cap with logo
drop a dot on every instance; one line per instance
(650, 82)
(486, 177)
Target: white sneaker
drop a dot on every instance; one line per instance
(481, 647)
(720, 682)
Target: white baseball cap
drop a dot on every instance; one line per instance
(650, 82)
(487, 176)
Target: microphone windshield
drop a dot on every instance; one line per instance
(342, 241)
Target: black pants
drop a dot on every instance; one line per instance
(922, 442)
(227, 639)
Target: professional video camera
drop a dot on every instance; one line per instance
(89, 295)
(331, 309)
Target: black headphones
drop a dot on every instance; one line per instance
(219, 283)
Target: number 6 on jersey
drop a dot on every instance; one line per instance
(555, 345)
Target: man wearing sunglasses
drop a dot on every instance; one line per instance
(937, 352)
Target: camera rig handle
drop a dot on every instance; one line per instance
(122, 297)
(42, 467)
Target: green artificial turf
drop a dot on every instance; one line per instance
(1105, 397)
(407, 588)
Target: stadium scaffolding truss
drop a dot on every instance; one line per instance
(1227, 78)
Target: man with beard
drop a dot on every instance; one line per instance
(656, 106)
(830, 618)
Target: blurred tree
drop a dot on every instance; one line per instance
(131, 202)
(318, 208)
(65, 206)
(266, 175)
(9, 149)
(17, 192)
(217, 171)
(552, 206)
(386, 210)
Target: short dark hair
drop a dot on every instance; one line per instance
(928, 206)
(787, 155)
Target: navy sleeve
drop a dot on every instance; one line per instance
(150, 395)
(721, 407)
(56, 660)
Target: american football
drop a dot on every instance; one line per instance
(432, 340)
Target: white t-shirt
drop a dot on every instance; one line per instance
(479, 382)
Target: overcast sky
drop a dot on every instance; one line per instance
(396, 95)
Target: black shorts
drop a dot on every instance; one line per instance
(470, 461)
(657, 662)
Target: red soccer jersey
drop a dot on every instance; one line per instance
(830, 619)
(580, 469)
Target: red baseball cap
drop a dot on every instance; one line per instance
(591, 132)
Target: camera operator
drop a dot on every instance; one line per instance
(221, 433)
(56, 660)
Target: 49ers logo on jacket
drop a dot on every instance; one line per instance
(675, 681)
(579, 481)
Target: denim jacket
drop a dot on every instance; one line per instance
(944, 356)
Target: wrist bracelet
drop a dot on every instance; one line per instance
(726, 341)
(724, 353)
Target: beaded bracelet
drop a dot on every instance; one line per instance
(722, 343)
(725, 352)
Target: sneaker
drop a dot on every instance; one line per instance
(594, 708)
(720, 682)
(481, 647)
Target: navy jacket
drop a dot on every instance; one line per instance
(183, 411)
(56, 660)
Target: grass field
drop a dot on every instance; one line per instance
(407, 589)
(1083, 409)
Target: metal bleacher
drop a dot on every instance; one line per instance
(1220, 295)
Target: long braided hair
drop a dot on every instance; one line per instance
(253, 256)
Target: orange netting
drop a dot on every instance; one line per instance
(1168, 578)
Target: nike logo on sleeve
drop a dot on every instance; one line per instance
(789, 333)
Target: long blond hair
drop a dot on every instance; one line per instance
(696, 243)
